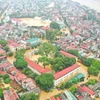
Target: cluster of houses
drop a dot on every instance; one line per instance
(85, 31)
(16, 75)
(89, 92)
(82, 92)
(66, 95)
(10, 94)
(32, 8)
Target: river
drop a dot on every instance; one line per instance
(93, 4)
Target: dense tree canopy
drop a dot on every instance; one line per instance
(74, 52)
(3, 42)
(86, 61)
(29, 96)
(45, 81)
(50, 35)
(20, 63)
(1, 93)
(96, 64)
(10, 54)
(44, 60)
(6, 78)
(55, 25)
(47, 49)
(20, 53)
(93, 71)
(6, 48)
(60, 63)
(91, 82)
(73, 89)
(29, 73)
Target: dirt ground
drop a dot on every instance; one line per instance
(37, 21)
(44, 95)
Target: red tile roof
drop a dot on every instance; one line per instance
(11, 77)
(79, 97)
(52, 98)
(80, 89)
(88, 90)
(2, 51)
(17, 20)
(58, 98)
(65, 71)
(21, 77)
(46, 28)
(2, 73)
(5, 65)
(85, 89)
(27, 80)
(67, 54)
(2, 57)
(12, 69)
(0, 45)
(10, 95)
(17, 72)
(36, 66)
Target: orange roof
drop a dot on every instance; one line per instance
(67, 54)
(36, 66)
(65, 71)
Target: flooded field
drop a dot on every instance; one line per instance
(37, 21)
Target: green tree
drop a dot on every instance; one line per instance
(93, 71)
(73, 52)
(20, 63)
(29, 96)
(71, 31)
(10, 54)
(92, 82)
(96, 64)
(6, 49)
(45, 81)
(55, 25)
(3, 43)
(75, 81)
(72, 89)
(50, 35)
(68, 85)
(62, 86)
(1, 93)
(61, 62)
(6, 81)
(86, 61)
(47, 49)
(20, 53)
(29, 73)
(6, 78)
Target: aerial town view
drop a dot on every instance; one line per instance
(49, 50)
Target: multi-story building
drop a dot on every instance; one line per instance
(66, 74)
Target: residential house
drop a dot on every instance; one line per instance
(10, 94)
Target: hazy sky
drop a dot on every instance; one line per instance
(94, 4)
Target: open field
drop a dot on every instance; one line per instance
(37, 21)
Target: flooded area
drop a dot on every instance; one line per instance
(93, 4)
(37, 21)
